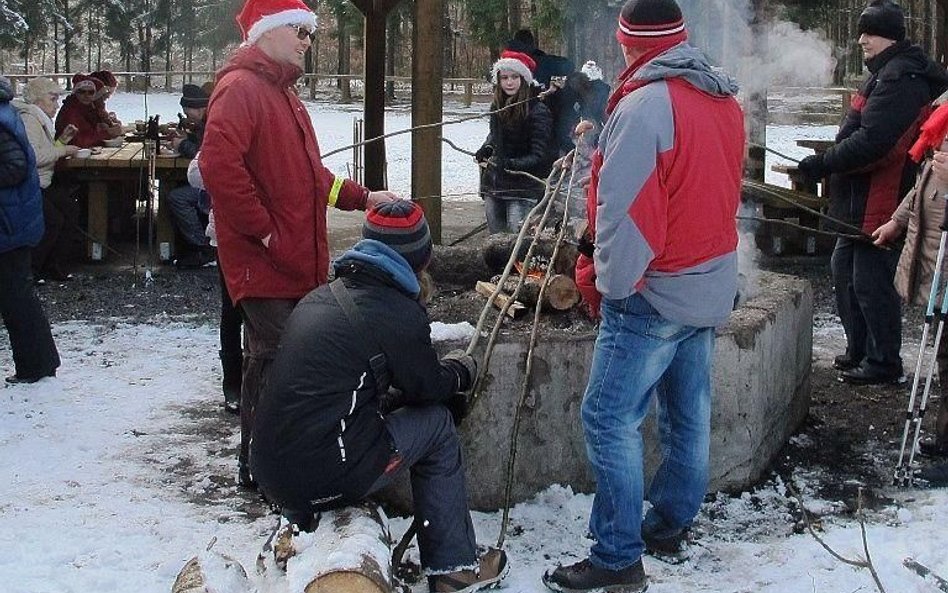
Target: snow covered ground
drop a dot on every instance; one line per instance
(117, 471)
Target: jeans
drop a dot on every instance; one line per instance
(188, 205)
(868, 304)
(427, 442)
(638, 353)
(506, 215)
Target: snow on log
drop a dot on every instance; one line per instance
(212, 573)
(349, 552)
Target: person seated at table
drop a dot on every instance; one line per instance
(79, 110)
(60, 210)
(194, 101)
(190, 205)
(109, 84)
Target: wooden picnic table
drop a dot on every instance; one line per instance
(125, 163)
(817, 146)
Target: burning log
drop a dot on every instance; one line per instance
(486, 289)
(561, 293)
(498, 248)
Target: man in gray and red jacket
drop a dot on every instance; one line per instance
(663, 197)
(269, 188)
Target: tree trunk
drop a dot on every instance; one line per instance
(211, 572)
(168, 50)
(513, 17)
(342, 55)
(67, 38)
(394, 41)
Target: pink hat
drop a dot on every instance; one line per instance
(259, 16)
(85, 82)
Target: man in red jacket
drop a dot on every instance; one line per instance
(269, 188)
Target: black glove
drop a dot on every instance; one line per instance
(459, 405)
(586, 245)
(465, 366)
(813, 167)
(483, 153)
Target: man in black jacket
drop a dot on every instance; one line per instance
(320, 439)
(189, 205)
(869, 171)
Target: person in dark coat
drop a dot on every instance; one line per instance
(520, 139)
(552, 71)
(21, 228)
(321, 439)
(190, 205)
(869, 171)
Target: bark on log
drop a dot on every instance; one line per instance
(460, 265)
(498, 247)
(465, 264)
(210, 573)
(350, 551)
(561, 293)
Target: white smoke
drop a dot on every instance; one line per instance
(775, 53)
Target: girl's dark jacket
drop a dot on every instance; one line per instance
(870, 165)
(319, 438)
(525, 145)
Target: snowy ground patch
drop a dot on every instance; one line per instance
(120, 469)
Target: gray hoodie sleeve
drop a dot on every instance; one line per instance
(631, 210)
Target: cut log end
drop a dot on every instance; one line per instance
(350, 582)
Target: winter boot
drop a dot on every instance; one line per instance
(585, 576)
(492, 568)
(232, 367)
(673, 550)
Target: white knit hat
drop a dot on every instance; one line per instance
(517, 62)
(259, 16)
(592, 70)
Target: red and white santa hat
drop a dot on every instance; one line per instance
(514, 61)
(85, 82)
(259, 16)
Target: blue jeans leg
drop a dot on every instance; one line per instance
(428, 444)
(639, 353)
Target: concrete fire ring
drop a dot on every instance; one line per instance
(761, 395)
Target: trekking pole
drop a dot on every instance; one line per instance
(902, 477)
(939, 333)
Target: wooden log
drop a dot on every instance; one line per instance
(486, 289)
(498, 247)
(349, 552)
(561, 293)
(458, 265)
(211, 573)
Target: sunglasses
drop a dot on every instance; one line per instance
(302, 33)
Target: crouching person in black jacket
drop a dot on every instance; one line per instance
(320, 439)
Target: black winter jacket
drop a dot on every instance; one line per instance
(319, 438)
(526, 145)
(189, 147)
(870, 167)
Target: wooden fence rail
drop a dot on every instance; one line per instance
(134, 81)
